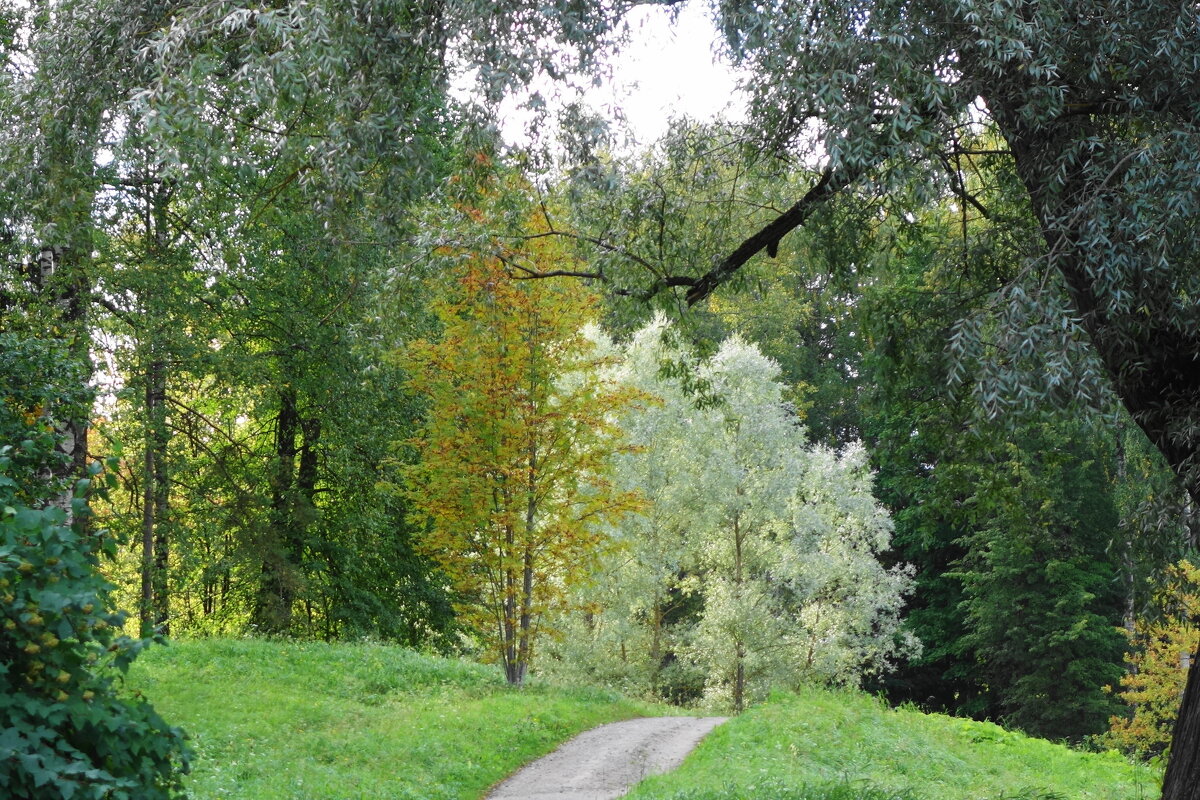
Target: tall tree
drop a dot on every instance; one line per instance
(1042, 598)
(512, 476)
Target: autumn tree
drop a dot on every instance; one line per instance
(513, 470)
(1164, 644)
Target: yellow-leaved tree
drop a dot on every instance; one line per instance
(515, 454)
(1163, 648)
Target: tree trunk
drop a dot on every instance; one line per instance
(525, 648)
(656, 654)
(294, 477)
(1128, 561)
(58, 279)
(158, 435)
(162, 500)
(1182, 779)
(508, 625)
(739, 647)
(155, 606)
(304, 504)
(273, 609)
(148, 473)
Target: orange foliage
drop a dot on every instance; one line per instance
(512, 480)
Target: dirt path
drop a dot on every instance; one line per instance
(605, 762)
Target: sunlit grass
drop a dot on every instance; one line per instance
(306, 721)
(822, 745)
(312, 721)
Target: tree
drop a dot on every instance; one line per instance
(1158, 666)
(68, 730)
(755, 563)
(512, 476)
(1041, 594)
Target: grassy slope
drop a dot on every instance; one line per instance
(836, 746)
(274, 720)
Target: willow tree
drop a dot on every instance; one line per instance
(512, 477)
(755, 564)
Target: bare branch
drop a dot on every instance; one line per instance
(831, 183)
(959, 186)
(532, 274)
(603, 245)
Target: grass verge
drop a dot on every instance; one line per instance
(828, 745)
(312, 721)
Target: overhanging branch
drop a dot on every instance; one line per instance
(767, 238)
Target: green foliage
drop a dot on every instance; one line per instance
(1027, 533)
(837, 743)
(858, 310)
(331, 721)
(39, 382)
(1041, 596)
(67, 729)
(255, 312)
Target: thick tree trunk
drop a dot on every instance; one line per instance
(1182, 779)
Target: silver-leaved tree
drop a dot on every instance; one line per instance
(754, 565)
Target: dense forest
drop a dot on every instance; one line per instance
(891, 385)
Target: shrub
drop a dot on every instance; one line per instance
(66, 730)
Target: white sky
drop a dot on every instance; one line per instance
(666, 70)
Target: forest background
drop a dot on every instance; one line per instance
(229, 223)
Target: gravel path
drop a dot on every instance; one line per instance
(605, 762)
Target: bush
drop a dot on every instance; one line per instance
(66, 731)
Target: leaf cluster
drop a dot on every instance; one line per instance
(67, 729)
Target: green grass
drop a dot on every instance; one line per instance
(304, 720)
(824, 745)
(312, 721)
